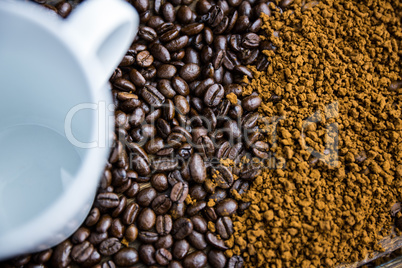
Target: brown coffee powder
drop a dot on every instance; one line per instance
(331, 88)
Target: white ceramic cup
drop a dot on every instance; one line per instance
(56, 116)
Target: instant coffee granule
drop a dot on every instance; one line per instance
(332, 96)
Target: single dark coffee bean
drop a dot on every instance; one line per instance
(235, 262)
(163, 256)
(219, 195)
(93, 260)
(226, 208)
(140, 5)
(206, 146)
(164, 242)
(168, 110)
(108, 264)
(127, 61)
(192, 29)
(197, 240)
(147, 253)
(64, 9)
(154, 145)
(168, 12)
(124, 85)
(61, 254)
(164, 224)
(140, 165)
(80, 235)
(132, 190)
(149, 72)
(43, 256)
(163, 127)
(147, 33)
(110, 246)
(179, 192)
(107, 200)
(223, 177)
(126, 257)
(196, 208)
(166, 71)
(146, 219)
(180, 86)
(182, 104)
(93, 217)
(182, 228)
(178, 210)
(137, 117)
(148, 237)
(199, 224)
(161, 204)
(214, 95)
(153, 116)
(224, 227)
(251, 103)
(131, 233)
(166, 88)
(82, 252)
(180, 249)
(197, 192)
(197, 259)
(159, 182)
(130, 213)
(189, 72)
(197, 168)
(216, 242)
(184, 14)
(210, 214)
(177, 44)
(152, 96)
(144, 59)
(175, 264)
(250, 173)
(217, 258)
(164, 164)
(185, 151)
(169, 35)
(117, 229)
(146, 196)
(260, 149)
(96, 238)
(203, 6)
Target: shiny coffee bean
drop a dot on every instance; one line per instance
(104, 223)
(197, 240)
(93, 217)
(131, 233)
(163, 256)
(96, 238)
(226, 207)
(61, 254)
(130, 213)
(164, 224)
(126, 257)
(224, 227)
(107, 200)
(197, 259)
(180, 249)
(159, 182)
(148, 237)
(179, 192)
(80, 235)
(146, 219)
(217, 258)
(110, 246)
(215, 241)
(146, 254)
(82, 252)
(182, 228)
(197, 168)
(161, 204)
(146, 196)
(235, 262)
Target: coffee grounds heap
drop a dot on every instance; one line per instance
(333, 79)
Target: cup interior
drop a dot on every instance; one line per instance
(41, 82)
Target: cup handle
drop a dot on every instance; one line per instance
(100, 32)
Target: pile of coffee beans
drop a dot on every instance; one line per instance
(166, 195)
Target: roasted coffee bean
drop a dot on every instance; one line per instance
(144, 59)
(206, 146)
(152, 96)
(164, 242)
(214, 95)
(140, 5)
(217, 258)
(180, 86)
(168, 12)
(80, 235)
(82, 252)
(166, 71)
(255, 26)
(108, 264)
(148, 237)
(117, 229)
(43, 256)
(226, 207)
(180, 249)
(250, 40)
(93, 217)
(110, 246)
(232, 130)
(94, 259)
(197, 192)
(219, 195)
(185, 151)
(194, 209)
(164, 164)
(197, 240)
(178, 210)
(235, 262)
(137, 117)
(97, 238)
(203, 6)
(149, 72)
(166, 88)
(163, 256)
(140, 165)
(184, 14)
(199, 224)
(130, 213)
(182, 104)
(164, 224)
(107, 200)
(131, 233)
(163, 127)
(146, 219)
(260, 149)
(251, 103)
(175, 177)
(61, 254)
(177, 44)
(146, 196)
(210, 214)
(154, 145)
(132, 190)
(147, 33)
(104, 223)
(137, 78)
(169, 35)
(224, 227)
(126, 257)
(161, 204)
(64, 9)
(190, 71)
(127, 61)
(182, 228)
(197, 259)
(215, 241)
(159, 182)
(159, 52)
(223, 177)
(240, 186)
(197, 168)
(123, 84)
(179, 192)
(147, 253)
(250, 173)
(192, 29)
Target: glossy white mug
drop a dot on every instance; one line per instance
(56, 115)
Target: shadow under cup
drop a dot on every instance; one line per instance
(41, 82)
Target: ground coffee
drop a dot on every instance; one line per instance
(333, 85)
